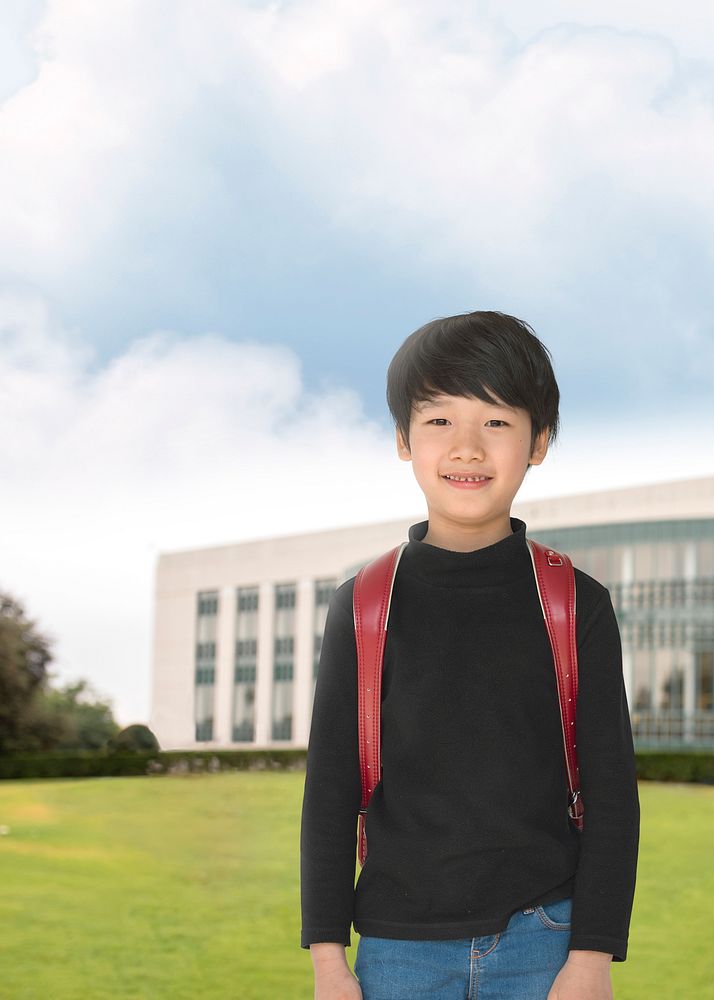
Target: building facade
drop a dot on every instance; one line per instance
(238, 628)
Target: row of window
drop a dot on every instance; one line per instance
(679, 593)
(653, 634)
(246, 652)
(673, 727)
(693, 633)
(647, 550)
(247, 598)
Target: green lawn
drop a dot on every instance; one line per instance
(167, 888)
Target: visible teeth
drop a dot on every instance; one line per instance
(467, 479)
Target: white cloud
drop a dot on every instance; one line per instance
(565, 177)
(421, 123)
(177, 442)
(688, 25)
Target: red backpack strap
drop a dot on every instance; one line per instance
(371, 599)
(555, 581)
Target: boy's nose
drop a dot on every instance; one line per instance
(468, 450)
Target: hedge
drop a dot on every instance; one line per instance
(98, 763)
(652, 765)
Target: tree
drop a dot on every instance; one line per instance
(87, 721)
(33, 715)
(136, 738)
(24, 658)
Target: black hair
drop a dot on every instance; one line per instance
(461, 355)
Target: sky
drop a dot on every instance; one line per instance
(218, 222)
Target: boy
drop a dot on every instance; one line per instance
(476, 882)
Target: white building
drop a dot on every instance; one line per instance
(237, 628)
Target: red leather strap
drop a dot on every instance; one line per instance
(371, 599)
(555, 581)
(372, 595)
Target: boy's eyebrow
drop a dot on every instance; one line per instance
(425, 403)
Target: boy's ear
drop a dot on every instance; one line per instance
(402, 449)
(540, 448)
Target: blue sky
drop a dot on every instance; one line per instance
(219, 223)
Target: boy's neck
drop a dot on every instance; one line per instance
(460, 537)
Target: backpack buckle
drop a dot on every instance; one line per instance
(553, 558)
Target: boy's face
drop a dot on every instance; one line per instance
(469, 437)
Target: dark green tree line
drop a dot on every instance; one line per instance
(34, 716)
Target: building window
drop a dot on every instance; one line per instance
(285, 596)
(283, 653)
(704, 681)
(245, 664)
(205, 663)
(324, 589)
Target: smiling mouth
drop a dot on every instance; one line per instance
(467, 479)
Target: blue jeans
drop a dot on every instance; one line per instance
(519, 963)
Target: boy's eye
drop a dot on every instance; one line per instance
(492, 421)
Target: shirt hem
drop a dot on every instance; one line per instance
(433, 932)
(456, 929)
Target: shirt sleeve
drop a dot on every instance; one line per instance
(605, 877)
(333, 788)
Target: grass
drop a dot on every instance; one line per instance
(188, 886)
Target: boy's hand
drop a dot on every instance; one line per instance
(334, 979)
(585, 976)
(337, 984)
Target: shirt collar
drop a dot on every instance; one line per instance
(490, 565)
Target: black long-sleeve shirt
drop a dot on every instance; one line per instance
(469, 822)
